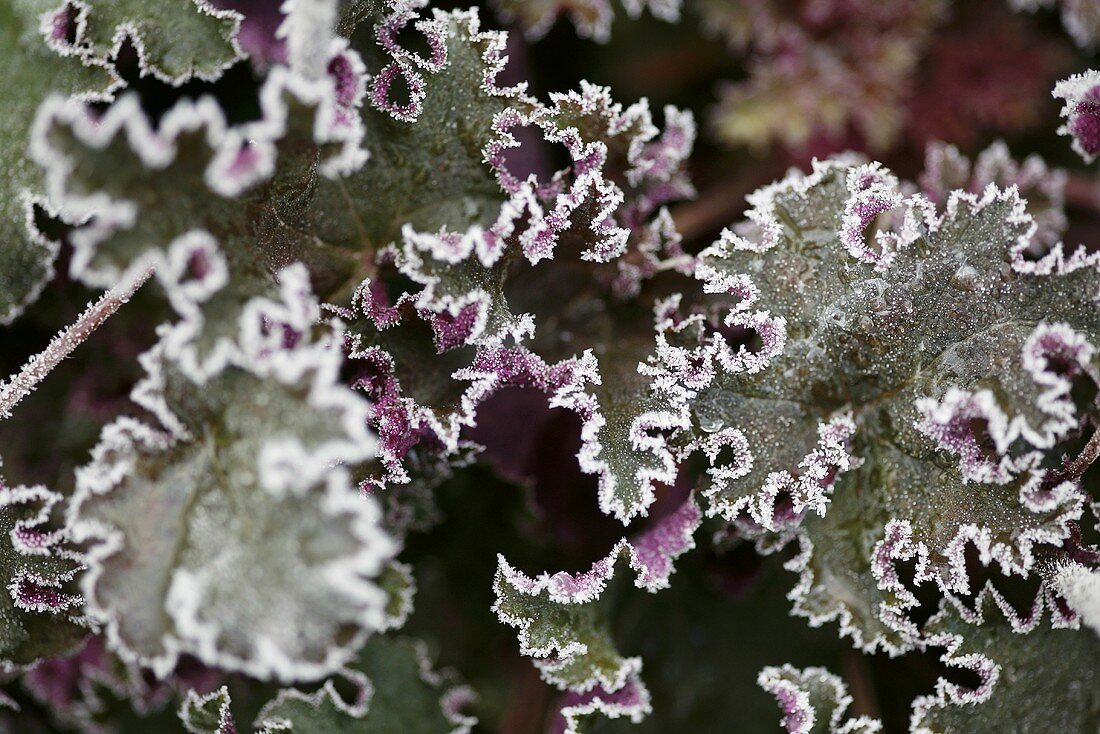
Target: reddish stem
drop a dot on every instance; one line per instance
(1075, 469)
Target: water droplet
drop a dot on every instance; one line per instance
(710, 424)
(965, 278)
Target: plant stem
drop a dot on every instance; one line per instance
(1075, 469)
(857, 673)
(720, 206)
(35, 370)
(1083, 192)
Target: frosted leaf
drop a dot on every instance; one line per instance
(1027, 374)
(631, 700)
(463, 292)
(419, 413)
(465, 275)
(393, 685)
(623, 427)
(450, 209)
(425, 171)
(658, 248)
(560, 623)
(797, 474)
(1081, 111)
(259, 443)
(445, 186)
(623, 438)
(624, 418)
(909, 369)
(848, 559)
(208, 714)
(621, 170)
(461, 223)
(123, 169)
(1080, 587)
(571, 644)
(946, 169)
(118, 165)
(413, 410)
(813, 701)
(1044, 681)
(1006, 507)
(628, 418)
(41, 612)
(28, 71)
(175, 41)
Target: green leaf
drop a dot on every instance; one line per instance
(235, 535)
(395, 690)
(28, 71)
(41, 613)
(1046, 680)
(176, 40)
(940, 356)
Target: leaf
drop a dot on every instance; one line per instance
(41, 615)
(1044, 681)
(208, 714)
(1043, 188)
(623, 437)
(424, 170)
(439, 204)
(28, 70)
(176, 40)
(395, 687)
(561, 625)
(936, 357)
(813, 701)
(204, 202)
(234, 535)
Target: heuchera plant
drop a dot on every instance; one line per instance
(415, 367)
